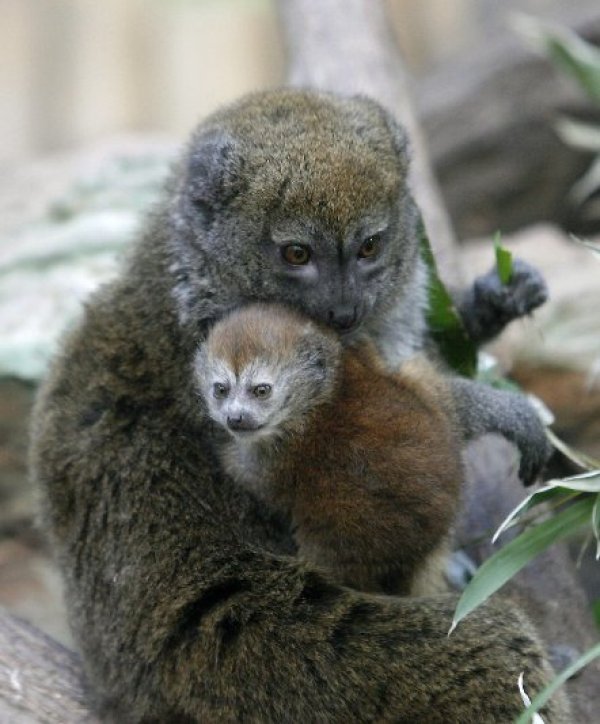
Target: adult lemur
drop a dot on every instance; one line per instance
(183, 591)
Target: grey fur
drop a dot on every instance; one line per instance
(183, 591)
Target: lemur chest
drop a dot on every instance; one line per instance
(243, 462)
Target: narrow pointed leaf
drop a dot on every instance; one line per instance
(537, 497)
(596, 525)
(537, 719)
(585, 482)
(539, 701)
(445, 324)
(578, 58)
(503, 565)
(575, 456)
(503, 261)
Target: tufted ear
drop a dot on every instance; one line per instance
(399, 136)
(213, 169)
(319, 351)
(377, 115)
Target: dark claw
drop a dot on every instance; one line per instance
(534, 459)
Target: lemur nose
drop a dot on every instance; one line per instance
(235, 422)
(241, 422)
(342, 317)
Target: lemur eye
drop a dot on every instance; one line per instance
(220, 390)
(262, 391)
(370, 246)
(296, 254)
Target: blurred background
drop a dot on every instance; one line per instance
(96, 97)
(75, 71)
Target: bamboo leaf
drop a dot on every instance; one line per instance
(539, 701)
(537, 497)
(537, 719)
(575, 456)
(596, 525)
(445, 324)
(503, 565)
(596, 611)
(584, 483)
(578, 58)
(503, 260)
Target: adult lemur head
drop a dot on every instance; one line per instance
(299, 197)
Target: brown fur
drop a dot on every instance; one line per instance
(382, 477)
(372, 480)
(183, 591)
(247, 335)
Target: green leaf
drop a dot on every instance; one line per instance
(539, 701)
(596, 611)
(578, 58)
(445, 325)
(584, 482)
(503, 565)
(503, 260)
(596, 525)
(537, 497)
(586, 462)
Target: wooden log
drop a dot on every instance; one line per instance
(40, 680)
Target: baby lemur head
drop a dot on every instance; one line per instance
(263, 368)
(297, 196)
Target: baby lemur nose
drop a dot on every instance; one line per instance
(343, 317)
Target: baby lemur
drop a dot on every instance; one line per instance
(365, 462)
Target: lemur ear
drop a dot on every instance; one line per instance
(398, 135)
(321, 352)
(213, 170)
(377, 115)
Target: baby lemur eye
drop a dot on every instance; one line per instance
(296, 254)
(370, 246)
(261, 391)
(220, 390)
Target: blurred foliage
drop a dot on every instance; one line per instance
(445, 324)
(503, 260)
(581, 61)
(562, 508)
